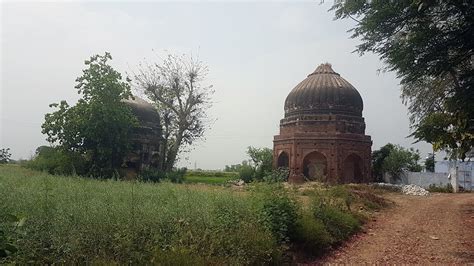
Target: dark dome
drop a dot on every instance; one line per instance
(143, 110)
(323, 92)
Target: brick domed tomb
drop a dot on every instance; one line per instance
(322, 136)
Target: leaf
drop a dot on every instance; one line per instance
(11, 218)
(11, 248)
(21, 222)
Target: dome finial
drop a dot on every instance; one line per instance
(325, 68)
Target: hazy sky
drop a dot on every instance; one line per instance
(257, 52)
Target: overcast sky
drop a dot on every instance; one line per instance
(257, 52)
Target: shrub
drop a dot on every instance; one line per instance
(58, 162)
(5, 156)
(277, 175)
(278, 211)
(151, 175)
(311, 234)
(9, 225)
(247, 173)
(338, 223)
(446, 189)
(177, 175)
(155, 175)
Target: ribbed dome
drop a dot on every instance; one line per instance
(143, 110)
(323, 92)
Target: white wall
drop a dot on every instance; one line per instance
(422, 179)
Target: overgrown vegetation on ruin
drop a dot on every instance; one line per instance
(76, 220)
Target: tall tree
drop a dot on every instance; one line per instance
(5, 155)
(98, 126)
(176, 86)
(430, 45)
(262, 160)
(378, 158)
(394, 159)
(430, 162)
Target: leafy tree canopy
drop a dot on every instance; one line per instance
(430, 45)
(430, 163)
(393, 159)
(5, 155)
(98, 126)
(262, 160)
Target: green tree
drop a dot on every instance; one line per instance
(378, 158)
(400, 159)
(429, 44)
(98, 126)
(262, 160)
(430, 162)
(5, 155)
(175, 85)
(235, 167)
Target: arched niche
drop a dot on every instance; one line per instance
(315, 166)
(283, 160)
(353, 169)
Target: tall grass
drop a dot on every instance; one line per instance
(75, 220)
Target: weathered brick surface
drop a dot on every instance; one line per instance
(324, 140)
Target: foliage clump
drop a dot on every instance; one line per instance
(442, 189)
(260, 166)
(5, 155)
(429, 46)
(155, 175)
(278, 210)
(57, 161)
(98, 127)
(394, 159)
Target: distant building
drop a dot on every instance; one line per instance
(322, 136)
(146, 138)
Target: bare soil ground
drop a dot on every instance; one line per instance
(438, 229)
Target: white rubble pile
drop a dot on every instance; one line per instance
(238, 182)
(405, 189)
(414, 190)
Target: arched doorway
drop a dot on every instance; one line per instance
(353, 169)
(283, 160)
(315, 166)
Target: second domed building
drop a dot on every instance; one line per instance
(322, 136)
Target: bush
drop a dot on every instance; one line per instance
(5, 156)
(446, 189)
(278, 211)
(246, 173)
(333, 208)
(151, 175)
(58, 162)
(311, 234)
(338, 223)
(177, 175)
(277, 175)
(155, 175)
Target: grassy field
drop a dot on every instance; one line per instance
(209, 177)
(211, 180)
(77, 220)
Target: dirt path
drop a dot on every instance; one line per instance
(418, 230)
